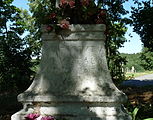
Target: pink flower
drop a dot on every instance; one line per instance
(63, 2)
(48, 118)
(64, 24)
(72, 4)
(49, 28)
(32, 116)
(85, 2)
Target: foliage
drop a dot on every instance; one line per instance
(141, 110)
(116, 67)
(143, 22)
(15, 56)
(141, 61)
(147, 59)
(32, 35)
(133, 60)
(116, 28)
(134, 115)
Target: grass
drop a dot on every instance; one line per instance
(137, 74)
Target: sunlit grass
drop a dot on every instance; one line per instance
(130, 75)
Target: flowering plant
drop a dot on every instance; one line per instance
(36, 116)
(73, 12)
(32, 116)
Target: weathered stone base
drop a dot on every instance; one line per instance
(76, 111)
(74, 81)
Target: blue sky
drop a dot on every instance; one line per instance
(21, 4)
(133, 45)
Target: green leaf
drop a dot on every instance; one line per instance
(134, 113)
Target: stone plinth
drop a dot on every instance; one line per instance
(74, 81)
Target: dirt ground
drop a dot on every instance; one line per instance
(141, 98)
(137, 96)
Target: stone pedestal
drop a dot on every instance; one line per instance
(74, 81)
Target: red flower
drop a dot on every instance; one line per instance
(64, 24)
(72, 4)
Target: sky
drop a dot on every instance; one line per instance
(21, 4)
(133, 45)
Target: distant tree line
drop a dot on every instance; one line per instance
(133, 60)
